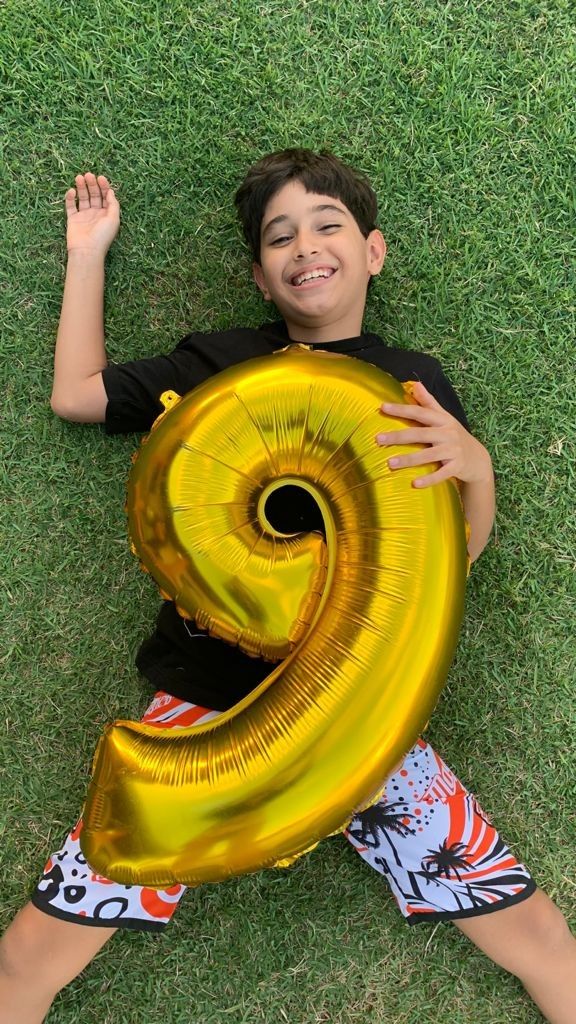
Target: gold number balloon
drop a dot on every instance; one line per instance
(367, 621)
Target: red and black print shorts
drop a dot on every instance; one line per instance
(428, 837)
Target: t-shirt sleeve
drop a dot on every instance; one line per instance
(444, 393)
(133, 389)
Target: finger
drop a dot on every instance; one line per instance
(110, 201)
(425, 435)
(94, 191)
(421, 458)
(104, 186)
(108, 194)
(70, 202)
(444, 473)
(415, 412)
(422, 395)
(82, 189)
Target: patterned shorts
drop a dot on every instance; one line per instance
(427, 836)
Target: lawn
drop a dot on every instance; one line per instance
(459, 114)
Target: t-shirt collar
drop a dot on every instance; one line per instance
(279, 329)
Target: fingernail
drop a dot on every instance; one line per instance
(393, 462)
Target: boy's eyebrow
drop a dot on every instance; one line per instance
(315, 209)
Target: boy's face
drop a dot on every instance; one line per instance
(315, 264)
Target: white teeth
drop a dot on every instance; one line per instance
(310, 275)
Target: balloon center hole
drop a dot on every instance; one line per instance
(291, 509)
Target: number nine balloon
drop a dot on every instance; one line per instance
(366, 619)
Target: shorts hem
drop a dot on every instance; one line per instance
(489, 908)
(129, 923)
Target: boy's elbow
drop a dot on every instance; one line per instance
(61, 408)
(86, 404)
(475, 547)
(67, 409)
(474, 553)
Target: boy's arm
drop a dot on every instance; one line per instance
(460, 456)
(479, 500)
(93, 216)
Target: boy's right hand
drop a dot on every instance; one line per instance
(93, 215)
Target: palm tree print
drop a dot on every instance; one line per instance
(381, 819)
(444, 860)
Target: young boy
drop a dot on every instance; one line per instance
(310, 222)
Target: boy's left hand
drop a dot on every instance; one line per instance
(458, 452)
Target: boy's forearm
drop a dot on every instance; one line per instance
(479, 501)
(80, 352)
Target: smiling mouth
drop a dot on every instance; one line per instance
(309, 276)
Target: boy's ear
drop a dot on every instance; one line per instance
(376, 250)
(258, 275)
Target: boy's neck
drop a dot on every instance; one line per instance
(323, 333)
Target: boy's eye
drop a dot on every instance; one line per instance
(283, 239)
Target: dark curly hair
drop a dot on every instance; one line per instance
(319, 172)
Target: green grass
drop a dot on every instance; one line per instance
(459, 113)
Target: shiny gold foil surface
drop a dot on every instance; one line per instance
(366, 620)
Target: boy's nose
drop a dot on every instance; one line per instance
(303, 250)
(306, 246)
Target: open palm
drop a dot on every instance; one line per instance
(93, 214)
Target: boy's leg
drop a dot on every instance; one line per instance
(444, 860)
(532, 941)
(39, 955)
(74, 912)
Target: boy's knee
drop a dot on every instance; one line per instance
(543, 946)
(25, 955)
(544, 916)
(541, 933)
(547, 925)
(40, 954)
(523, 939)
(542, 937)
(13, 950)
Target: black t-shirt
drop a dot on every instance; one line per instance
(179, 658)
